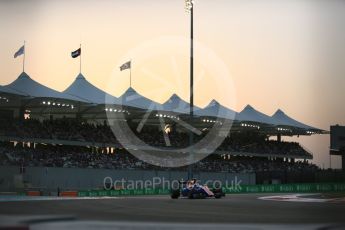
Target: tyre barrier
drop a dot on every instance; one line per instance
(69, 194)
(33, 193)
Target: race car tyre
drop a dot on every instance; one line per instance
(175, 194)
(202, 196)
(190, 195)
(218, 190)
(217, 195)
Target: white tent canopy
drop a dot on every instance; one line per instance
(29, 87)
(134, 99)
(284, 119)
(252, 115)
(214, 109)
(177, 105)
(83, 89)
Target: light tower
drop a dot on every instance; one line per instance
(189, 8)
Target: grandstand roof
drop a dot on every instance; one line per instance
(29, 87)
(134, 99)
(10, 91)
(251, 114)
(177, 105)
(284, 119)
(84, 90)
(214, 109)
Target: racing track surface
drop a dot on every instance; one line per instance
(231, 209)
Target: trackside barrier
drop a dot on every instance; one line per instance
(124, 192)
(279, 188)
(288, 188)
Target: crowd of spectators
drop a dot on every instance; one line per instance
(58, 129)
(270, 147)
(82, 157)
(76, 130)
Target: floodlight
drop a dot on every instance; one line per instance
(189, 5)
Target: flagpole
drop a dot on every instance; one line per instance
(130, 74)
(80, 59)
(24, 58)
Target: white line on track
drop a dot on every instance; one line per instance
(295, 198)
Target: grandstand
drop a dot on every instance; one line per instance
(41, 127)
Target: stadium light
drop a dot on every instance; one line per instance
(189, 5)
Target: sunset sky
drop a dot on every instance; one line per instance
(269, 54)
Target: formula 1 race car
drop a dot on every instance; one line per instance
(192, 190)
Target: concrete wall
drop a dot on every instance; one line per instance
(75, 178)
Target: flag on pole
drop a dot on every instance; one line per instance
(21, 51)
(76, 53)
(125, 66)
